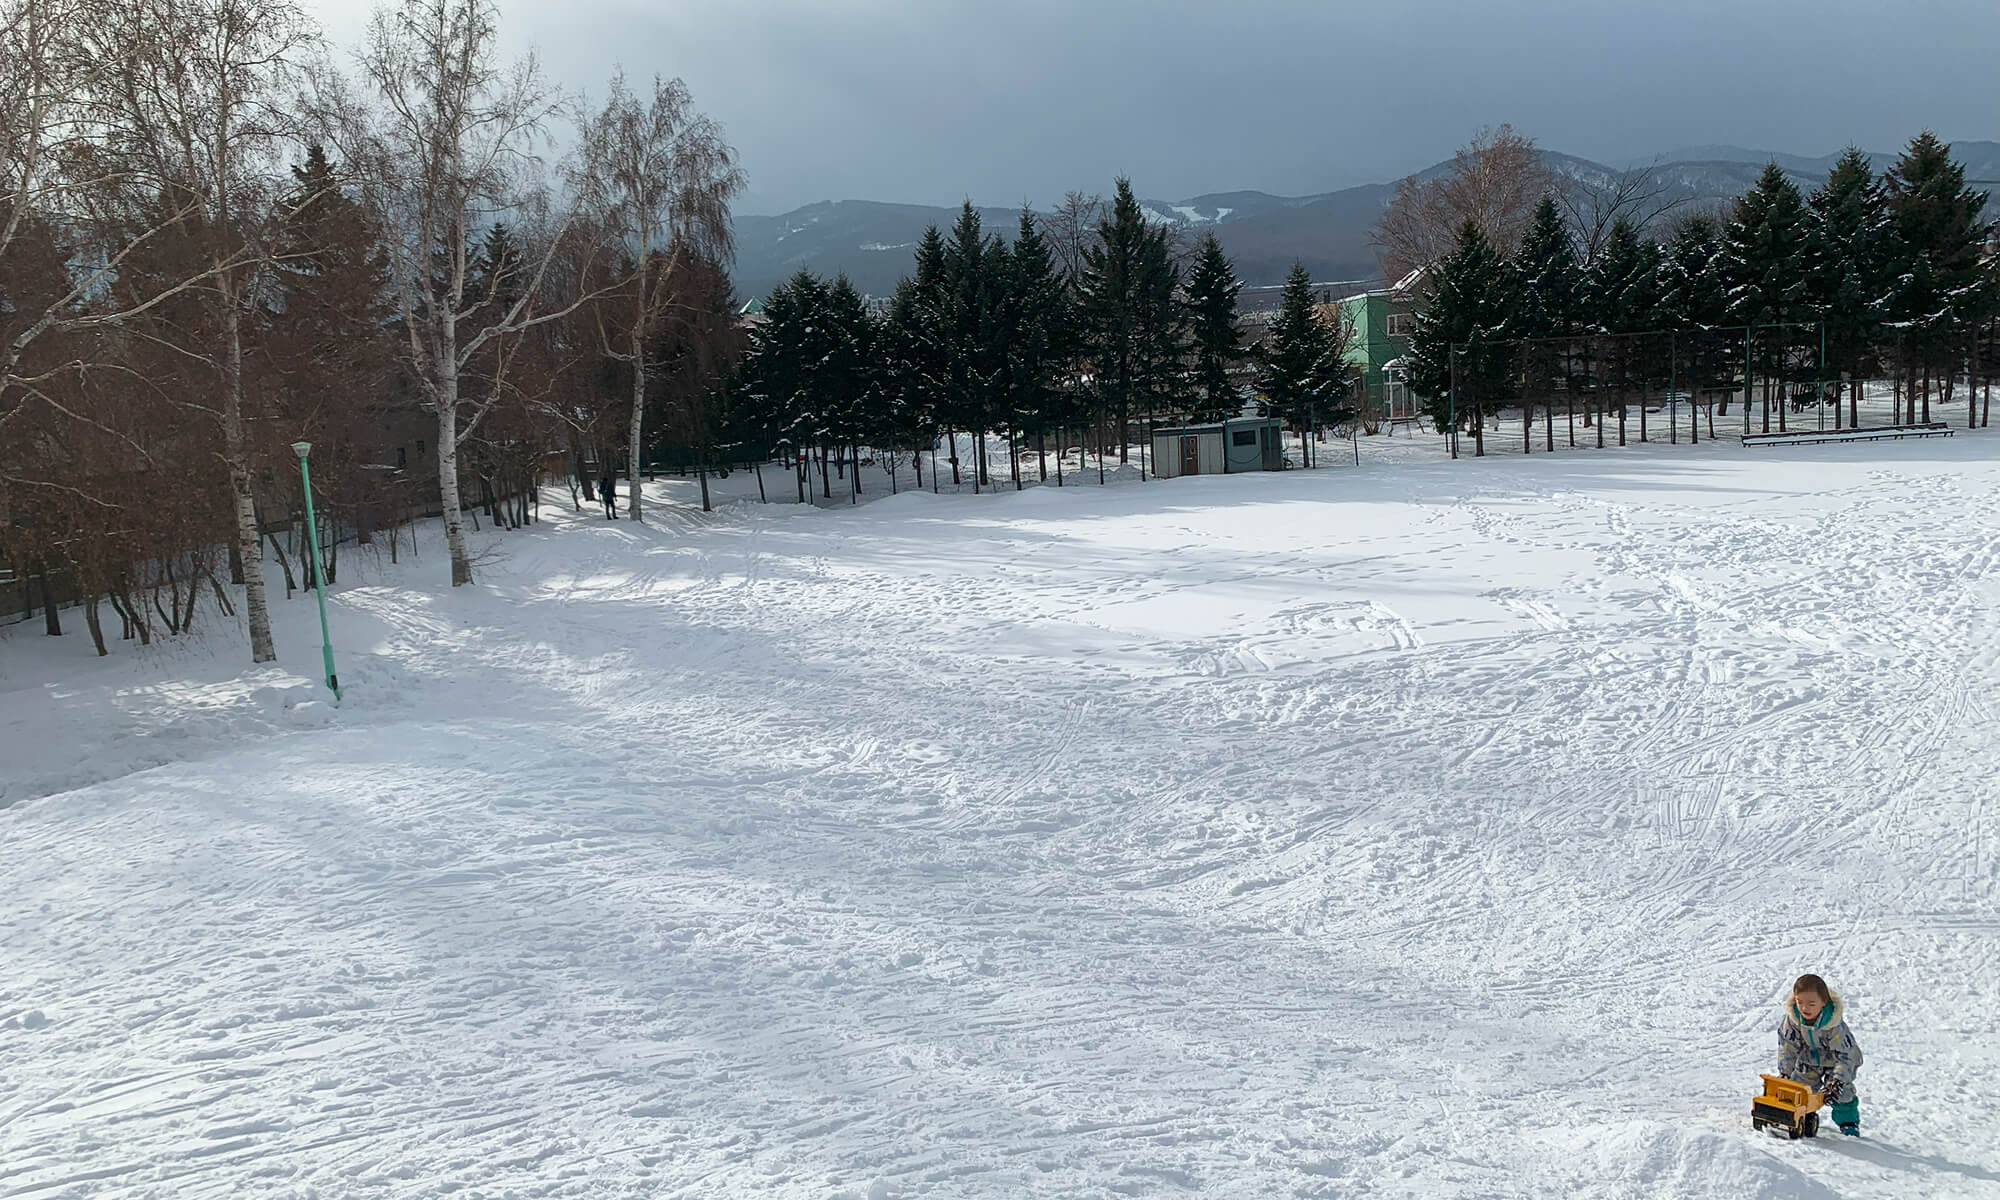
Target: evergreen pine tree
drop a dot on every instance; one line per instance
(1162, 330)
(335, 318)
(690, 349)
(1038, 335)
(1937, 289)
(972, 289)
(768, 381)
(1217, 334)
(1622, 299)
(1764, 251)
(1847, 234)
(848, 373)
(997, 329)
(328, 247)
(1694, 302)
(1766, 260)
(900, 387)
(1693, 291)
(1986, 336)
(1126, 297)
(1301, 372)
(1548, 284)
(783, 370)
(913, 346)
(1457, 337)
(1618, 288)
(1549, 280)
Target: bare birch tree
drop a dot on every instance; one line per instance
(55, 175)
(195, 85)
(1072, 228)
(1495, 180)
(442, 147)
(658, 178)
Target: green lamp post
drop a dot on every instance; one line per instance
(318, 579)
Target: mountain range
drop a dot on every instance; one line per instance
(873, 242)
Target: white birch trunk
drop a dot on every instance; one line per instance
(638, 411)
(447, 435)
(454, 529)
(249, 546)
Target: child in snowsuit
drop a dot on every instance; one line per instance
(1815, 1048)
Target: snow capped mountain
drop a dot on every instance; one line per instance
(1216, 207)
(1264, 234)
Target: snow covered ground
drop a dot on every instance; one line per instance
(1439, 829)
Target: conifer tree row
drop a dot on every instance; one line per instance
(1894, 272)
(989, 348)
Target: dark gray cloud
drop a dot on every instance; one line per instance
(929, 101)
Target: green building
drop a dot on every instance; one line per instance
(1380, 323)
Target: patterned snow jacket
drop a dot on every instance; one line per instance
(1822, 1049)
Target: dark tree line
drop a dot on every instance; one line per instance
(209, 252)
(1000, 340)
(1896, 272)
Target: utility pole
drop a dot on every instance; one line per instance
(318, 575)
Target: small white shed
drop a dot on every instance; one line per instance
(1188, 450)
(1222, 448)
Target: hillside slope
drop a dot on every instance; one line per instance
(1449, 830)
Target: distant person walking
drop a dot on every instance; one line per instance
(607, 491)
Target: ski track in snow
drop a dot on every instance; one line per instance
(1444, 830)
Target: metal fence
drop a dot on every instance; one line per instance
(1534, 395)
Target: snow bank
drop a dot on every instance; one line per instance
(1648, 1158)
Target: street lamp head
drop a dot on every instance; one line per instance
(302, 448)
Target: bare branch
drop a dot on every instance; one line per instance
(1644, 196)
(1494, 180)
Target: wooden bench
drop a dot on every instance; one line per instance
(1877, 433)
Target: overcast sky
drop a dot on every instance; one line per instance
(932, 101)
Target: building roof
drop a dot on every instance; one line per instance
(1215, 426)
(1254, 300)
(1397, 290)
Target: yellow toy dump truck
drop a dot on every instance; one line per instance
(1786, 1109)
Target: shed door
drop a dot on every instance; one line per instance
(1190, 454)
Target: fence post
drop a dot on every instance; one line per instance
(1451, 401)
(1746, 379)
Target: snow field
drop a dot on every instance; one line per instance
(1447, 829)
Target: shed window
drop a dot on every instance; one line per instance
(1243, 437)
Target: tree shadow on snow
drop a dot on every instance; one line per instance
(1885, 1155)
